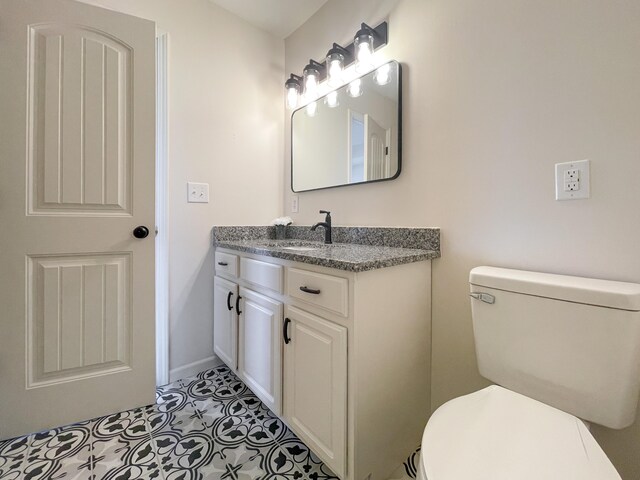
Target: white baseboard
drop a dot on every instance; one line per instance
(194, 368)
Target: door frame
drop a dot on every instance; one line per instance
(162, 208)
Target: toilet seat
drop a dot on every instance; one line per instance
(497, 434)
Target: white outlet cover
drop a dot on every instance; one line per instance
(294, 204)
(582, 180)
(197, 192)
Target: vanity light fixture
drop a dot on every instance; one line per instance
(337, 58)
(360, 52)
(311, 75)
(363, 46)
(293, 86)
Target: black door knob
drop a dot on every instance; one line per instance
(141, 232)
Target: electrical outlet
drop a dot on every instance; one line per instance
(572, 175)
(294, 204)
(197, 192)
(572, 180)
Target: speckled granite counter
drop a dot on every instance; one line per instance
(364, 248)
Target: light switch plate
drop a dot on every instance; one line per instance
(572, 180)
(197, 192)
(294, 204)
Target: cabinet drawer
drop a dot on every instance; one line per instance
(225, 262)
(325, 291)
(262, 273)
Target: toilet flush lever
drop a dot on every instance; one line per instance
(484, 297)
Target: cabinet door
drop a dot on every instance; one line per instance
(315, 385)
(260, 347)
(225, 321)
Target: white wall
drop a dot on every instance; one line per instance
(226, 128)
(495, 93)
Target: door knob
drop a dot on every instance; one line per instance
(141, 232)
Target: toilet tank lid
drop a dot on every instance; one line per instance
(590, 291)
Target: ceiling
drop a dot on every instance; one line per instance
(279, 17)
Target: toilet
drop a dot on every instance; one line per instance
(563, 352)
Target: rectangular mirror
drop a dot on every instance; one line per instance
(351, 135)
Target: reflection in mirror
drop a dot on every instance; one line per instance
(351, 135)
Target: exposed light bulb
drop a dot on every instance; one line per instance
(311, 86)
(364, 53)
(292, 97)
(312, 108)
(332, 99)
(383, 74)
(335, 73)
(355, 88)
(292, 86)
(335, 65)
(363, 44)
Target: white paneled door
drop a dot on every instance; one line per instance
(260, 347)
(77, 148)
(315, 385)
(225, 321)
(376, 154)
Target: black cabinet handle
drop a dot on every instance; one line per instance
(238, 304)
(310, 290)
(285, 328)
(141, 232)
(223, 264)
(229, 306)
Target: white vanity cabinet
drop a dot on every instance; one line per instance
(247, 325)
(342, 357)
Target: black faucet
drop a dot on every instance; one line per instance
(327, 227)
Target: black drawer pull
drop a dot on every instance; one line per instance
(285, 330)
(310, 290)
(238, 304)
(223, 264)
(229, 306)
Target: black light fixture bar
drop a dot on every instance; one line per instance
(380, 39)
(380, 35)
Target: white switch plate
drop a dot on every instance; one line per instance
(572, 180)
(294, 204)
(198, 192)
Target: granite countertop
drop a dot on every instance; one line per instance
(380, 251)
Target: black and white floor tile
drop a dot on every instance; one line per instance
(409, 469)
(208, 427)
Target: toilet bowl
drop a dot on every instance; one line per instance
(563, 351)
(497, 434)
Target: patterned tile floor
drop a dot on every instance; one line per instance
(408, 469)
(206, 427)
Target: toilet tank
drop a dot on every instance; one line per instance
(570, 342)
